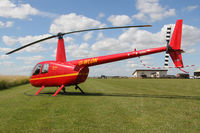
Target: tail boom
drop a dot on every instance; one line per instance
(115, 57)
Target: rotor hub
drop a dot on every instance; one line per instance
(60, 35)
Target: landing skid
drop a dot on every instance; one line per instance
(62, 87)
(76, 87)
(64, 90)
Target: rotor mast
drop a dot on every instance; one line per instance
(60, 55)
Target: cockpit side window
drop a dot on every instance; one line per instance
(37, 69)
(45, 68)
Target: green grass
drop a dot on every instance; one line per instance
(110, 105)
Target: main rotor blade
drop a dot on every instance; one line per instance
(119, 27)
(62, 34)
(31, 44)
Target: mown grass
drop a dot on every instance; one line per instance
(11, 81)
(110, 105)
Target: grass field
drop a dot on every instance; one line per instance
(110, 105)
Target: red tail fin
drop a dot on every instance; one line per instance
(175, 45)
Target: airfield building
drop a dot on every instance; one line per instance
(197, 73)
(150, 73)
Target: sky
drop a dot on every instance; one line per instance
(24, 21)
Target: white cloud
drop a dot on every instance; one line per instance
(69, 40)
(30, 60)
(3, 57)
(151, 10)
(54, 53)
(100, 36)
(29, 39)
(10, 10)
(9, 24)
(87, 36)
(5, 49)
(191, 8)
(23, 70)
(80, 51)
(190, 36)
(47, 14)
(6, 24)
(1, 24)
(147, 58)
(128, 40)
(77, 50)
(191, 50)
(141, 39)
(110, 45)
(10, 41)
(132, 64)
(71, 22)
(7, 63)
(120, 20)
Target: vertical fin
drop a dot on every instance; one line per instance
(175, 45)
(175, 42)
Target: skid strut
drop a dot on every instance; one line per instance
(64, 90)
(77, 87)
(39, 91)
(58, 90)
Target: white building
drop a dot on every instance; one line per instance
(150, 73)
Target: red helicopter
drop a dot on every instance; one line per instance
(66, 73)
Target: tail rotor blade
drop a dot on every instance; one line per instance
(168, 36)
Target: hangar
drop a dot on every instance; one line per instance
(150, 73)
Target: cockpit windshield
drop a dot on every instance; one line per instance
(37, 69)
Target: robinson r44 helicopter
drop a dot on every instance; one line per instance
(66, 73)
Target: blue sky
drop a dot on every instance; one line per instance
(23, 21)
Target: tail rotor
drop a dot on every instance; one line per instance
(168, 36)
